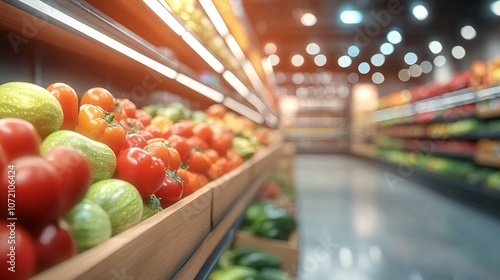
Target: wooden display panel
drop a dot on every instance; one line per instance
(154, 249)
(265, 159)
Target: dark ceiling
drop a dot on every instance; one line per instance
(278, 21)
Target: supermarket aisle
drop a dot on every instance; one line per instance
(356, 224)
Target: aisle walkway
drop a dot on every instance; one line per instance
(360, 222)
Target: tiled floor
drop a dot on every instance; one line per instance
(361, 222)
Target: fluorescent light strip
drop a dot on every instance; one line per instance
(163, 11)
(272, 120)
(252, 75)
(203, 52)
(199, 87)
(235, 83)
(255, 101)
(235, 48)
(215, 17)
(96, 35)
(268, 69)
(243, 110)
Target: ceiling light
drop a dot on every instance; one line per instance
(394, 37)
(214, 16)
(404, 75)
(270, 48)
(439, 61)
(353, 51)
(162, 11)
(351, 17)
(495, 8)
(308, 19)
(468, 32)
(426, 66)
(410, 58)
(298, 78)
(344, 61)
(203, 52)
(378, 60)
(199, 87)
(243, 110)
(274, 59)
(435, 47)
(458, 52)
(320, 60)
(420, 12)
(297, 60)
(364, 68)
(353, 78)
(312, 49)
(415, 70)
(387, 48)
(378, 78)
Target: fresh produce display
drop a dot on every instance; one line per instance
(248, 263)
(98, 165)
(269, 220)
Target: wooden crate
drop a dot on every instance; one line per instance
(154, 249)
(266, 159)
(287, 251)
(228, 189)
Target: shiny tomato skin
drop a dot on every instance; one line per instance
(130, 123)
(135, 140)
(216, 111)
(182, 128)
(74, 174)
(128, 107)
(203, 131)
(153, 130)
(175, 159)
(68, 99)
(25, 254)
(143, 170)
(18, 138)
(191, 183)
(221, 142)
(196, 142)
(3, 159)
(146, 134)
(180, 144)
(37, 191)
(54, 243)
(198, 162)
(171, 190)
(100, 97)
(143, 116)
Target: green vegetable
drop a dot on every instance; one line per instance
(239, 253)
(259, 260)
(273, 274)
(120, 199)
(175, 114)
(150, 109)
(235, 273)
(245, 147)
(198, 116)
(90, 224)
(102, 159)
(269, 220)
(225, 260)
(151, 207)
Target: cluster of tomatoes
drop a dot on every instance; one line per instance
(170, 161)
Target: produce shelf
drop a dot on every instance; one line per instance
(177, 242)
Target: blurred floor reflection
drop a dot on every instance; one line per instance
(358, 221)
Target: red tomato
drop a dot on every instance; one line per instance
(171, 190)
(212, 154)
(197, 143)
(218, 168)
(54, 243)
(3, 159)
(128, 107)
(144, 117)
(100, 97)
(180, 144)
(143, 170)
(13, 235)
(153, 130)
(191, 183)
(146, 134)
(73, 172)
(134, 140)
(182, 128)
(160, 151)
(202, 179)
(222, 142)
(175, 159)
(216, 111)
(119, 115)
(233, 159)
(37, 191)
(203, 131)
(18, 138)
(198, 162)
(68, 99)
